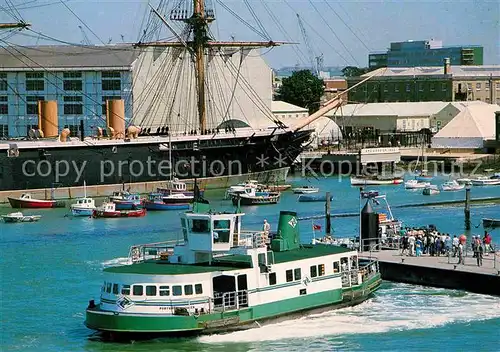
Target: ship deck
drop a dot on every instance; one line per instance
(225, 263)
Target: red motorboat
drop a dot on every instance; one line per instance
(108, 210)
(26, 201)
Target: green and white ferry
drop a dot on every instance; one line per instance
(221, 278)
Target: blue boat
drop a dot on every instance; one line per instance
(128, 202)
(155, 202)
(313, 198)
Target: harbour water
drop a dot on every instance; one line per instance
(50, 270)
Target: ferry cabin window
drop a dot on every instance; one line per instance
(222, 228)
(177, 290)
(354, 262)
(137, 290)
(272, 279)
(126, 290)
(108, 287)
(188, 290)
(336, 267)
(344, 264)
(198, 289)
(184, 229)
(164, 290)
(289, 275)
(115, 289)
(297, 275)
(314, 271)
(199, 225)
(150, 290)
(321, 269)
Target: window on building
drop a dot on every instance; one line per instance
(35, 85)
(3, 81)
(487, 100)
(73, 130)
(164, 290)
(4, 107)
(73, 109)
(443, 87)
(487, 85)
(110, 74)
(111, 84)
(408, 87)
(32, 75)
(188, 290)
(151, 290)
(297, 275)
(137, 290)
(396, 87)
(177, 290)
(272, 279)
(314, 271)
(289, 275)
(72, 85)
(420, 86)
(478, 86)
(4, 131)
(432, 87)
(498, 86)
(336, 267)
(469, 86)
(72, 74)
(126, 290)
(32, 104)
(375, 88)
(365, 88)
(386, 87)
(108, 97)
(198, 289)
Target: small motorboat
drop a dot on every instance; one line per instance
(178, 198)
(175, 186)
(118, 196)
(423, 175)
(464, 181)
(485, 181)
(129, 202)
(364, 181)
(451, 186)
(278, 188)
(155, 202)
(416, 184)
(305, 190)
(430, 190)
(84, 206)
(108, 210)
(313, 198)
(27, 201)
(19, 217)
(253, 197)
(491, 223)
(241, 188)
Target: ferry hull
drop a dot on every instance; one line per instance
(123, 325)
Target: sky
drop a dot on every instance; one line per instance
(344, 32)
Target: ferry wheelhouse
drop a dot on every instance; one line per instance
(219, 278)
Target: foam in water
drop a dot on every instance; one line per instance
(117, 262)
(400, 307)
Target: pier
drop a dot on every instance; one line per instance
(440, 271)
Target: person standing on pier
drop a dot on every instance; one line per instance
(487, 242)
(479, 254)
(461, 254)
(455, 243)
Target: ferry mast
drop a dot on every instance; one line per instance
(198, 23)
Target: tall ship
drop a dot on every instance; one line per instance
(195, 114)
(219, 277)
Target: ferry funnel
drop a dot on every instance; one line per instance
(288, 232)
(115, 118)
(47, 118)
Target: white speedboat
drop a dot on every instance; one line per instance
(241, 188)
(19, 217)
(464, 181)
(370, 181)
(485, 181)
(416, 184)
(451, 186)
(430, 190)
(305, 190)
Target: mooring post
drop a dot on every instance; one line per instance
(327, 214)
(467, 207)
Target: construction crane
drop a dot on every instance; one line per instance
(85, 40)
(316, 61)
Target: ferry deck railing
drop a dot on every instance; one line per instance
(224, 301)
(155, 251)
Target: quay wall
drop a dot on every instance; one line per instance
(278, 176)
(441, 277)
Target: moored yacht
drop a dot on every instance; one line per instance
(222, 278)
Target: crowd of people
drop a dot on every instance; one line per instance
(418, 242)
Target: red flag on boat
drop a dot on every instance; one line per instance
(316, 227)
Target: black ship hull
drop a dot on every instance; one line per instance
(47, 166)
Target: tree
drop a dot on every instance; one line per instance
(353, 71)
(303, 89)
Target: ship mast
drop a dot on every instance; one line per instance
(198, 22)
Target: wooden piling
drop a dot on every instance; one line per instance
(467, 207)
(327, 214)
